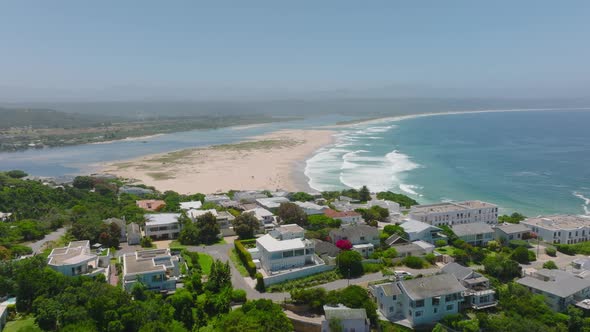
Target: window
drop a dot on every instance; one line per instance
(436, 300)
(419, 304)
(394, 297)
(287, 253)
(435, 310)
(391, 309)
(449, 307)
(418, 313)
(362, 238)
(299, 252)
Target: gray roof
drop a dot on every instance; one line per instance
(427, 287)
(513, 228)
(459, 271)
(472, 229)
(390, 289)
(349, 231)
(415, 226)
(133, 228)
(119, 222)
(562, 284)
(411, 247)
(344, 313)
(394, 239)
(325, 248)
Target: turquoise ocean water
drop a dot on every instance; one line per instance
(535, 162)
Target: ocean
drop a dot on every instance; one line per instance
(534, 162)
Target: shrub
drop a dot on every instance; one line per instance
(431, 258)
(414, 262)
(238, 295)
(521, 255)
(314, 297)
(551, 251)
(566, 249)
(146, 242)
(245, 257)
(550, 265)
(532, 256)
(343, 244)
(260, 282)
(372, 267)
(440, 243)
(518, 243)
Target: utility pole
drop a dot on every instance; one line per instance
(348, 276)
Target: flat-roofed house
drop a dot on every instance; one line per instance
(217, 199)
(157, 269)
(162, 226)
(566, 229)
(271, 202)
(311, 209)
(285, 248)
(453, 213)
(476, 234)
(77, 259)
(190, 205)
(350, 320)
(151, 204)
(421, 301)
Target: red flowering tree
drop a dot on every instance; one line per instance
(343, 244)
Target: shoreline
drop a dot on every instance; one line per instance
(271, 161)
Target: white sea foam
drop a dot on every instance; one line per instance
(409, 188)
(586, 205)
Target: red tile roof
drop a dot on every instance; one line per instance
(340, 214)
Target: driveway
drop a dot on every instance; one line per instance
(37, 246)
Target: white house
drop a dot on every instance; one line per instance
(190, 205)
(476, 234)
(5, 216)
(162, 226)
(271, 202)
(507, 232)
(284, 248)
(417, 230)
(311, 208)
(453, 213)
(422, 301)
(346, 217)
(478, 295)
(157, 269)
(342, 318)
(265, 217)
(77, 259)
(566, 229)
(249, 196)
(217, 199)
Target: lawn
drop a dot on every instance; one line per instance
(205, 261)
(238, 263)
(447, 250)
(26, 323)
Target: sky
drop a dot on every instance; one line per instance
(144, 50)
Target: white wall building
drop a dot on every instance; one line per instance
(347, 319)
(190, 205)
(565, 229)
(271, 202)
(77, 259)
(162, 226)
(285, 248)
(311, 208)
(265, 217)
(453, 213)
(157, 269)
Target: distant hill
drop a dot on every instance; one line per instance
(47, 118)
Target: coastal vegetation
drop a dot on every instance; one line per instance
(514, 218)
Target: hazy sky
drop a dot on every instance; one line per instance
(77, 50)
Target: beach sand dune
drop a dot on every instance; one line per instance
(271, 161)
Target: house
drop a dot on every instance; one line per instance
(476, 234)
(224, 219)
(133, 234)
(5, 216)
(507, 232)
(216, 199)
(77, 259)
(271, 202)
(478, 295)
(157, 269)
(249, 196)
(566, 229)
(151, 204)
(453, 213)
(122, 225)
(265, 217)
(395, 239)
(345, 319)
(416, 248)
(560, 288)
(363, 237)
(190, 205)
(417, 230)
(311, 208)
(391, 206)
(137, 191)
(344, 216)
(420, 301)
(162, 226)
(284, 248)
(325, 249)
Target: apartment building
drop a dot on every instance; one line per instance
(162, 226)
(566, 229)
(453, 213)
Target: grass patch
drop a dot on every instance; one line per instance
(160, 175)
(27, 323)
(176, 244)
(205, 261)
(257, 145)
(309, 281)
(171, 156)
(446, 250)
(238, 263)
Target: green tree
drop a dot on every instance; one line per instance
(208, 228)
(364, 194)
(258, 315)
(414, 262)
(350, 263)
(301, 197)
(514, 218)
(220, 276)
(401, 199)
(17, 174)
(245, 225)
(354, 297)
(182, 302)
(501, 267)
(291, 213)
(83, 182)
(521, 255)
(189, 235)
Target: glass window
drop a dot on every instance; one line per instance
(418, 313)
(299, 252)
(287, 253)
(449, 307)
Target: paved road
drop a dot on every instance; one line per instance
(53, 236)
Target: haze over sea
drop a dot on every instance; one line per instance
(534, 162)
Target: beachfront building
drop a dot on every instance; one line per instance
(476, 234)
(151, 204)
(217, 199)
(420, 231)
(157, 269)
(265, 217)
(346, 217)
(271, 202)
(364, 238)
(190, 205)
(453, 213)
(284, 248)
(249, 196)
(310, 208)
(121, 224)
(419, 302)
(162, 226)
(343, 318)
(77, 259)
(560, 288)
(566, 229)
(478, 294)
(507, 232)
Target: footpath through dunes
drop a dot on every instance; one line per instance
(264, 162)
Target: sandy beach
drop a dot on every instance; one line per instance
(272, 161)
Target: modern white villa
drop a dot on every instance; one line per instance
(162, 226)
(157, 269)
(566, 229)
(77, 259)
(342, 318)
(453, 213)
(421, 231)
(285, 248)
(265, 217)
(271, 202)
(190, 205)
(311, 208)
